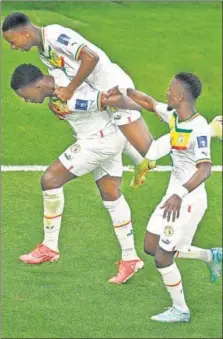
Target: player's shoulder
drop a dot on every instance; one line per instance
(199, 123)
(53, 32)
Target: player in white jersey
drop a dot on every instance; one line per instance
(63, 48)
(173, 224)
(98, 149)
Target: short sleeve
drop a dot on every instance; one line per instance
(66, 41)
(163, 111)
(201, 141)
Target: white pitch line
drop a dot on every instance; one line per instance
(41, 168)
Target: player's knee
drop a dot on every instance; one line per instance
(163, 258)
(149, 249)
(110, 193)
(49, 180)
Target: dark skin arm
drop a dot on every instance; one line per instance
(173, 204)
(89, 60)
(120, 101)
(142, 99)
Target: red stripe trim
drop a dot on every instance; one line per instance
(178, 283)
(70, 168)
(179, 148)
(56, 216)
(123, 224)
(101, 134)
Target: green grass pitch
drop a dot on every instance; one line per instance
(72, 299)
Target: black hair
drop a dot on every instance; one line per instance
(24, 75)
(191, 82)
(15, 20)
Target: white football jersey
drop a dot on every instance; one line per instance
(87, 119)
(190, 145)
(61, 49)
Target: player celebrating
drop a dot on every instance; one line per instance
(174, 222)
(98, 150)
(63, 48)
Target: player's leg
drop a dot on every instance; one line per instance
(77, 160)
(52, 183)
(142, 165)
(170, 274)
(173, 237)
(108, 180)
(137, 133)
(212, 257)
(151, 242)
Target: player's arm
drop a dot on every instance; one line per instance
(201, 150)
(89, 60)
(119, 101)
(144, 101)
(203, 173)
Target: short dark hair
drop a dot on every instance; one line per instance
(191, 82)
(15, 20)
(24, 75)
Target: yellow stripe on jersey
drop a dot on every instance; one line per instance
(179, 138)
(100, 108)
(203, 160)
(79, 51)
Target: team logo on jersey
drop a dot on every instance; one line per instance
(63, 39)
(75, 148)
(202, 141)
(81, 105)
(181, 139)
(111, 109)
(168, 231)
(55, 59)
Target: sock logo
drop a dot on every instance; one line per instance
(50, 227)
(130, 233)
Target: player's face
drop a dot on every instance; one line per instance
(32, 94)
(174, 95)
(18, 39)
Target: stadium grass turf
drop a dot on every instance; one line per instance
(151, 41)
(72, 299)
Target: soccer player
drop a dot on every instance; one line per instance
(172, 226)
(63, 48)
(98, 150)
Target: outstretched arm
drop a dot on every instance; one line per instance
(142, 99)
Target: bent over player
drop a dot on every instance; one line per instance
(98, 150)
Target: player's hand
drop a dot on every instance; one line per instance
(56, 111)
(64, 93)
(113, 91)
(172, 207)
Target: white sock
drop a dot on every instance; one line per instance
(172, 280)
(133, 153)
(159, 148)
(192, 252)
(121, 217)
(53, 202)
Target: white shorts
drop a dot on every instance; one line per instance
(101, 156)
(113, 75)
(175, 235)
